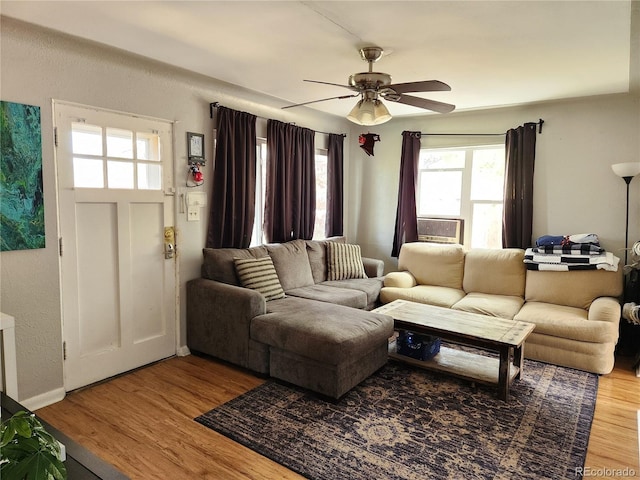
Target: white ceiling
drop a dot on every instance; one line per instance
(491, 53)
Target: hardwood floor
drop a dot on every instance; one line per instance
(613, 443)
(142, 423)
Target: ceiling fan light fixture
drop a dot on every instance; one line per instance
(381, 113)
(369, 112)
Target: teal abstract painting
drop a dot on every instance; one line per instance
(21, 199)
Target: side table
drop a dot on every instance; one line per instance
(9, 371)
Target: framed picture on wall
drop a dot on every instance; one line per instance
(195, 147)
(22, 205)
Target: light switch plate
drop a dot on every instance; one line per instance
(193, 214)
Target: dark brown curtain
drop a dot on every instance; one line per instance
(335, 197)
(234, 181)
(290, 195)
(517, 216)
(406, 229)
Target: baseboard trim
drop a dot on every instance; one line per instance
(44, 399)
(183, 351)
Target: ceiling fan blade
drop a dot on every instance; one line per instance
(439, 107)
(424, 86)
(334, 84)
(322, 100)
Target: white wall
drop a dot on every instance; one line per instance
(39, 65)
(575, 190)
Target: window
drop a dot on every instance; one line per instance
(321, 195)
(257, 237)
(105, 157)
(464, 183)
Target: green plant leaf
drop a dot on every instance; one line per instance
(21, 423)
(7, 435)
(54, 466)
(35, 456)
(46, 439)
(37, 466)
(15, 470)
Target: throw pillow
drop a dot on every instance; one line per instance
(292, 264)
(344, 261)
(259, 274)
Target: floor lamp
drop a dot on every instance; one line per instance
(627, 171)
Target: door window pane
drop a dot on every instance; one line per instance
(86, 139)
(120, 174)
(88, 173)
(148, 146)
(149, 177)
(440, 193)
(119, 143)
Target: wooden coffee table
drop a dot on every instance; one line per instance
(507, 337)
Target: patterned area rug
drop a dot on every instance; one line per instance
(407, 423)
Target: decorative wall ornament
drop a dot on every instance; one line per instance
(367, 141)
(21, 191)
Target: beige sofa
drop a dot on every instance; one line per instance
(576, 313)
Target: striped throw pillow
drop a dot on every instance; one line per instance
(344, 261)
(259, 274)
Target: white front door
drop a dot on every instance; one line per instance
(115, 187)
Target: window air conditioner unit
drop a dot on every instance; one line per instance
(441, 230)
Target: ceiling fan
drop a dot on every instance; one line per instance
(372, 87)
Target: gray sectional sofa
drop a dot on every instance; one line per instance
(320, 336)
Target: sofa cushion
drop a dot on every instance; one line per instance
(402, 279)
(317, 252)
(339, 296)
(370, 286)
(292, 264)
(577, 288)
(494, 271)
(430, 294)
(503, 306)
(321, 331)
(432, 264)
(567, 322)
(344, 261)
(259, 274)
(218, 263)
(592, 357)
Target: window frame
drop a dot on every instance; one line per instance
(466, 203)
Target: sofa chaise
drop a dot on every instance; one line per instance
(576, 313)
(319, 334)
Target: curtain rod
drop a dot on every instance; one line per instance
(213, 105)
(539, 123)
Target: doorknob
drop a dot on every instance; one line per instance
(169, 242)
